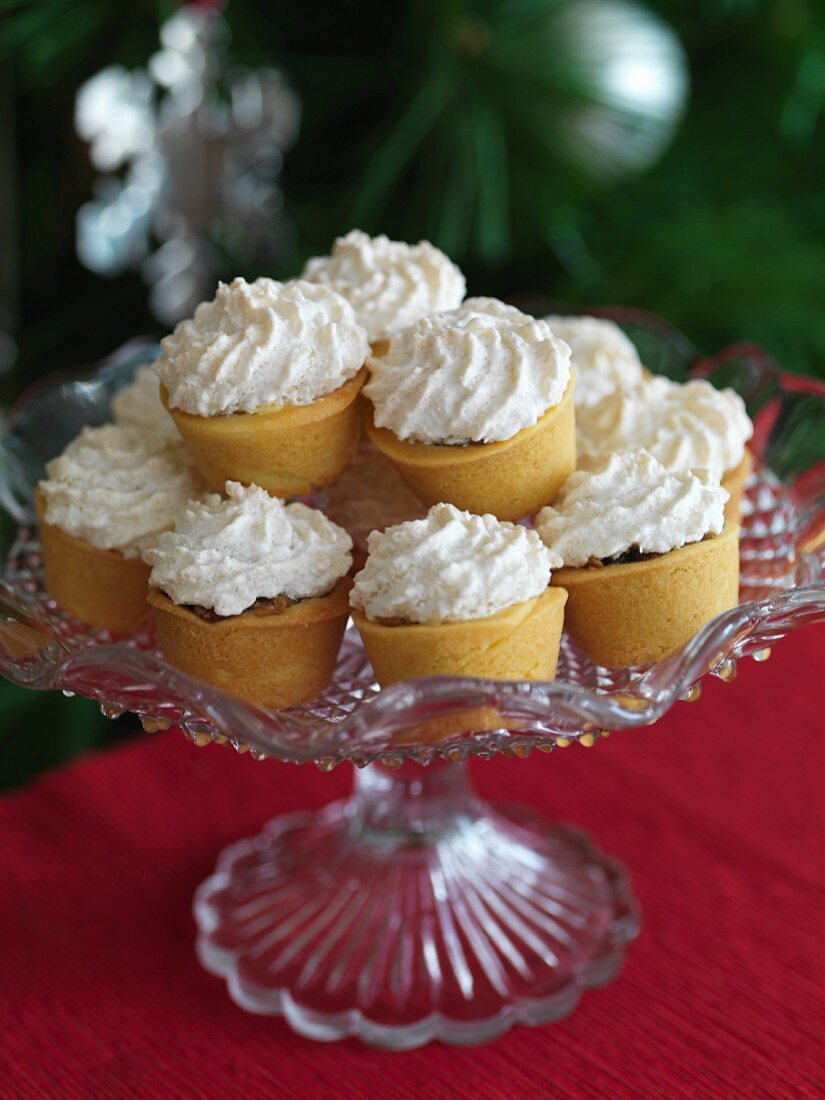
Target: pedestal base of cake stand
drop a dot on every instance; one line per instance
(413, 911)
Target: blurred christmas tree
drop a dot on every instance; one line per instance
(524, 136)
(541, 142)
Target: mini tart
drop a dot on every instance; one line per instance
(101, 587)
(734, 481)
(635, 613)
(286, 449)
(277, 659)
(510, 478)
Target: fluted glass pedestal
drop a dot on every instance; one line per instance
(413, 911)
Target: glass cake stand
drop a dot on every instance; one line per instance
(412, 910)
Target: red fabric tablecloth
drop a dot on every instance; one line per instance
(718, 812)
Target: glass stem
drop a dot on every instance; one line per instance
(411, 806)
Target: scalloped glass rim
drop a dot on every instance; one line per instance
(783, 567)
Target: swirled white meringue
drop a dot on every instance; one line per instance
(631, 502)
(261, 343)
(138, 405)
(226, 554)
(449, 567)
(118, 487)
(390, 284)
(684, 426)
(492, 307)
(476, 374)
(604, 359)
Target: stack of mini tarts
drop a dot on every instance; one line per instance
(630, 607)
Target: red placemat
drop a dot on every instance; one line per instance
(718, 811)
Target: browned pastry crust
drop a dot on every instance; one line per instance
(638, 612)
(519, 643)
(286, 449)
(511, 478)
(101, 587)
(276, 657)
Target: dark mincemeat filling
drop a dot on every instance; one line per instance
(630, 555)
(275, 606)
